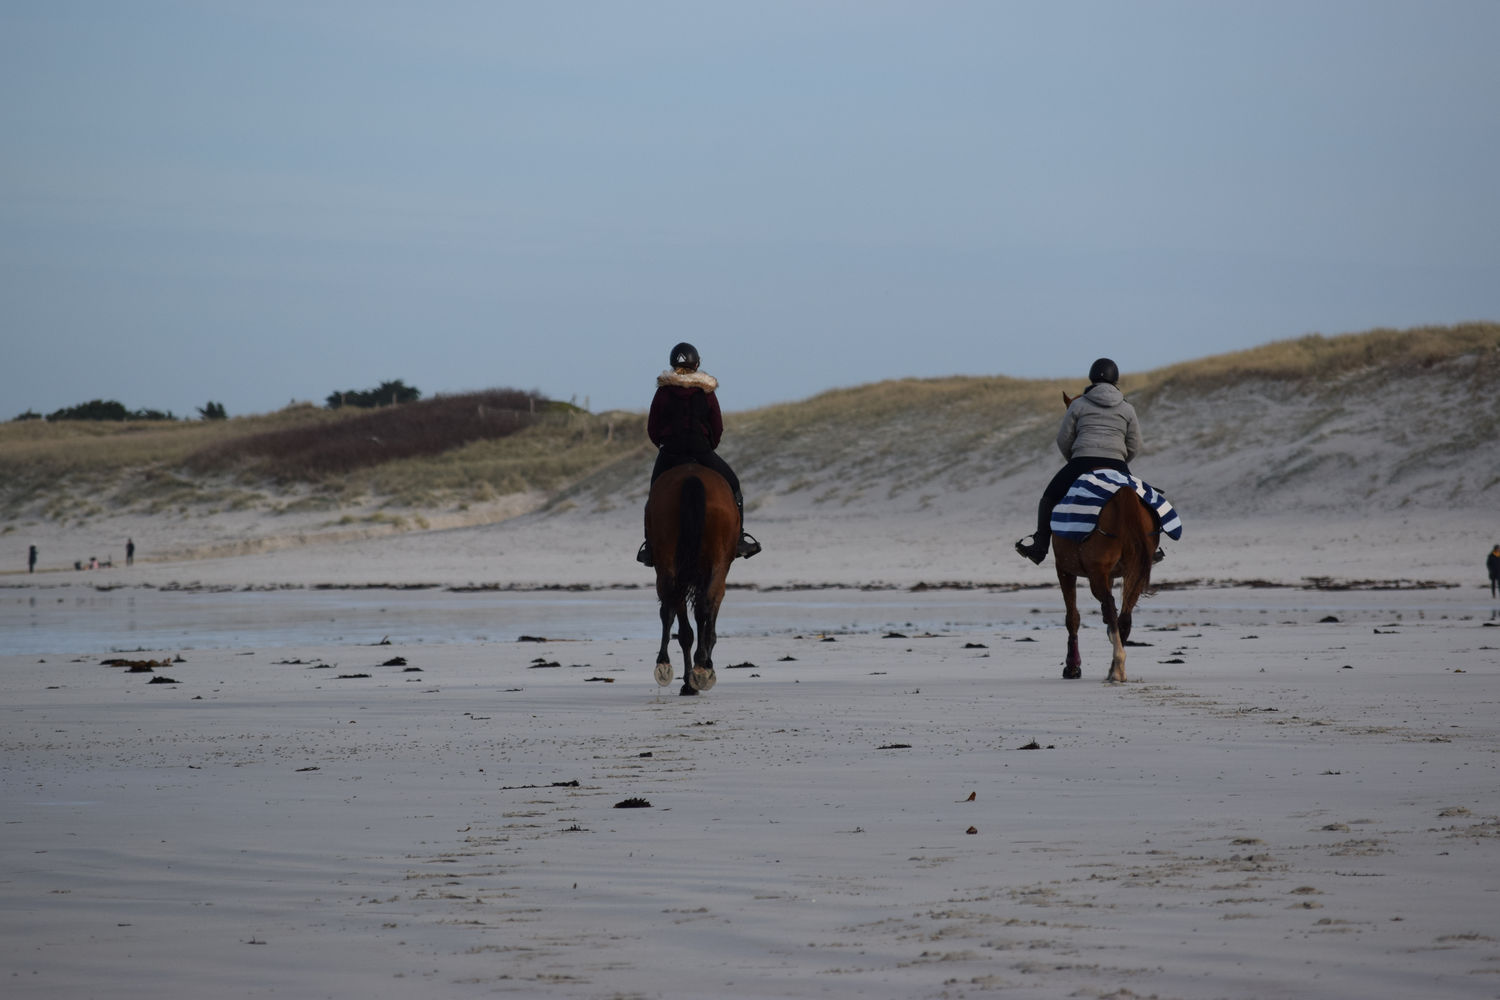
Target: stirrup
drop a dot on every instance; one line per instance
(1036, 551)
(644, 555)
(748, 545)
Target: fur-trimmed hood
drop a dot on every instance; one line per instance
(680, 379)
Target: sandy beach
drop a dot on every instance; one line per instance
(342, 342)
(890, 792)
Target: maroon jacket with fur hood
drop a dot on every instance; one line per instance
(672, 411)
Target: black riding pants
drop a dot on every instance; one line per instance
(1058, 488)
(666, 459)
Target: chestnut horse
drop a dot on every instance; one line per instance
(693, 525)
(1122, 545)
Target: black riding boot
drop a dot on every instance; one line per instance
(1036, 551)
(644, 555)
(748, 545)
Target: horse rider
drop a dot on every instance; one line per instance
(1099, 431)
(685, 424)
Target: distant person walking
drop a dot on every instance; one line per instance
(1493, 562)
(31, 562)
(129, 552)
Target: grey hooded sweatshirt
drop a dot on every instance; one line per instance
(1100, 424)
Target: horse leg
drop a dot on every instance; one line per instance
(664, 658)
(703, 663)
(1117, 638)
(1072, 667)
(1103, 590)
(1134, 587)
(685, 640)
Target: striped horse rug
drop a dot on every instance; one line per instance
(1077, 513)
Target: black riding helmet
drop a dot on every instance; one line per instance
(1104, 370)
(684, 355)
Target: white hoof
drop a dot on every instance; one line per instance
(704, 680)
(664, 673)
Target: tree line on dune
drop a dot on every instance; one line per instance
(389, 393)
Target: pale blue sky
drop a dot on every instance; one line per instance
(252, 202)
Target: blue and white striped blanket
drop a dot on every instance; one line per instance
(1077, 513)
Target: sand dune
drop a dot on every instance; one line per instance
(1381, 473)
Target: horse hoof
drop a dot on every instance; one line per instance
(704, 680)
(1071, 673)
(687, 689)
(663, 674)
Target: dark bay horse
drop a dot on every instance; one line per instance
(693, 526)
(1122, 545)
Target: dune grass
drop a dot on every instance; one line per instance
(959, 398)
(981, 411)
(559, 447)
(79, 468)
(455, 449)
(932, 422)
(1320, 357)
(930, 437)
(903, 435)
(39, 450)
(318, 451)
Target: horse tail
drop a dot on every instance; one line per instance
(1143, 553)
(691, 517)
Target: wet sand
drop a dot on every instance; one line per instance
(1274, 806)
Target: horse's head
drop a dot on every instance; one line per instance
(1068, 400)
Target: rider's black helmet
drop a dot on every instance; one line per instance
(685, 355)
(1104, 370)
